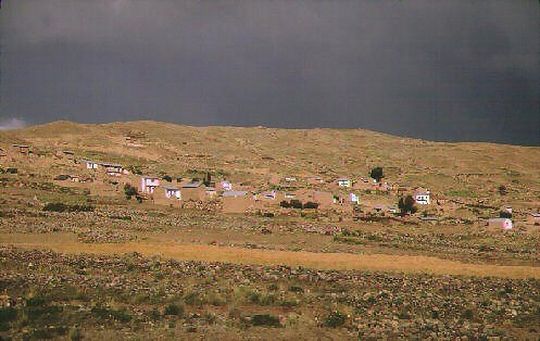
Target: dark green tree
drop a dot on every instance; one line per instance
(130, 191)
(406, 205)
(377, 173)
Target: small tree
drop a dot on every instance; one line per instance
(130, 191)
(207, 179)
(505, 214)
(503, 190)
(167, 178)
(406, 205)
(377, 174)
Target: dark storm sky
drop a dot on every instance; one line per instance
(442, 70)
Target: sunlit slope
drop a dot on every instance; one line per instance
(251, 154)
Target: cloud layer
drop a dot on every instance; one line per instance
(439, 70)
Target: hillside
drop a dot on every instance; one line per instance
(254, 155)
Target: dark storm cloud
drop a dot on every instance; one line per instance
(439, 70)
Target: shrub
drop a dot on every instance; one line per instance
(468, 314)
(285, 204)
(174, 309)
(75, 334)
(106, 314)
(505, 214)
(296, 204)
(335, 319)
(311, 204)
(61, 207)
(265, 320)
(8, 314)
(12, 170)
(503, 190)
(167, 178)
(62, 177)
(134, 169)
(296, 288)
(130, 191)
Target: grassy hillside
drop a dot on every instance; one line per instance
(466, 170)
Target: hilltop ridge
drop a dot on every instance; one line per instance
(252, 153)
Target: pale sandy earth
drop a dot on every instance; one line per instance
(67, 243)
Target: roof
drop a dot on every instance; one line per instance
(21, 146)
(234, 194)
(499, 219)
(171, 188)
(108, 164)
(421, 191)
(149, 177)
(536, 215)
(343, 179)
(89, 161)
(192, 184)
(68, 152)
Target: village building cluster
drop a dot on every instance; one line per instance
(342, 195)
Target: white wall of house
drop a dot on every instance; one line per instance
(91, 165)
(149, 184)
(173, 193)
(422, 199)
(344, 183)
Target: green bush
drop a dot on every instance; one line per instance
(174, 309)
(265, 320)
(311, 204)
(130, 191)
(8, 314)
(111, 314)
(335, 319)
(61, 207)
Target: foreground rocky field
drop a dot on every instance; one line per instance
(48, 294)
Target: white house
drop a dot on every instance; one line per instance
(344, 182)
(113, 169)
(226, 185)
(172, 192)
(269, 195)
(354, 198)
(149, 184)
(502, 223)
(91, 164)
(234, 194)
(422, 196)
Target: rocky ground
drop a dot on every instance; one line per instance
(46, 295)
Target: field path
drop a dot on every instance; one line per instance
(335, 261)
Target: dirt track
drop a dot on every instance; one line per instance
(338, 261)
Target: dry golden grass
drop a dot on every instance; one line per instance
(66, 243)
(253, 154)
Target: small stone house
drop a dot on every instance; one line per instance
(194, 191)
(172, 192)
(90, 164)
(422, 196)
(500, 223)
(113, 169)
(149, 184)
(344, 182)
(23, 148)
